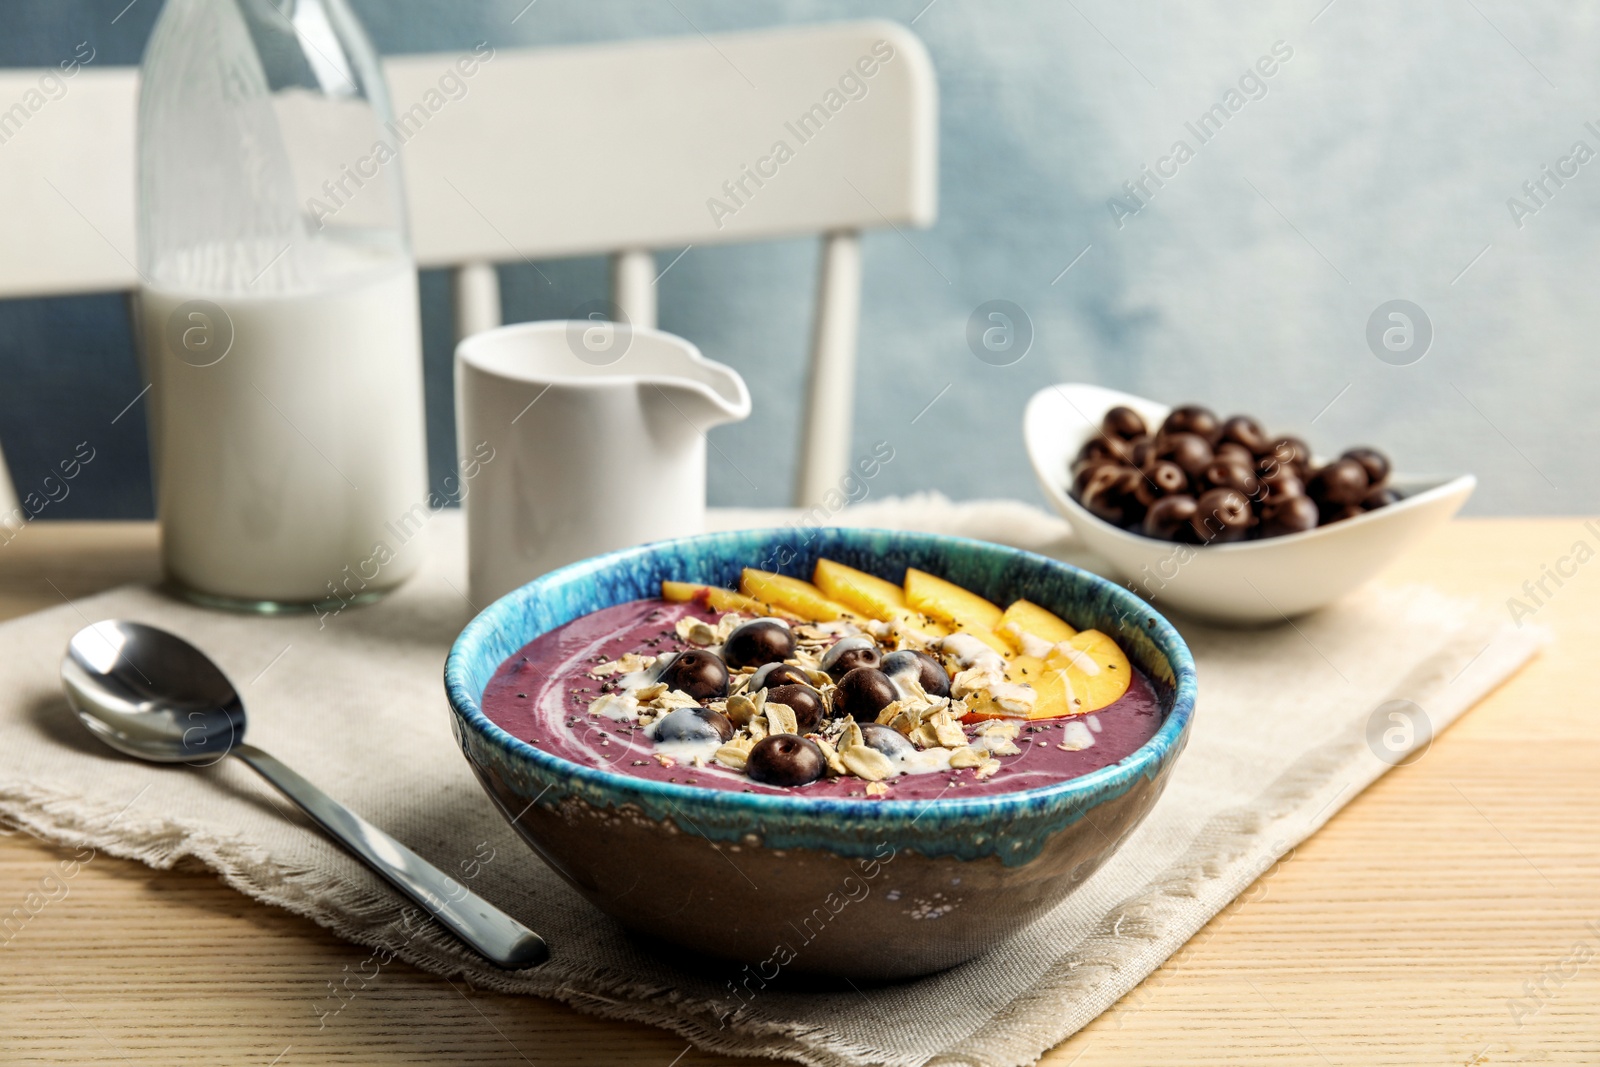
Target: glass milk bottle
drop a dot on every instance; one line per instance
(278, 312)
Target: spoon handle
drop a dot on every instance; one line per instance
(493, 933)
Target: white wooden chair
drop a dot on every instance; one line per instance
(616, 149)
(66, 192)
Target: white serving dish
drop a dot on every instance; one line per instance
(1245, 582)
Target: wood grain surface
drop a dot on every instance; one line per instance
(1449, 915)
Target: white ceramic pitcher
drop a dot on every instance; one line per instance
(578, 438)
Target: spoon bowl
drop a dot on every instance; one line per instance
(150, 694)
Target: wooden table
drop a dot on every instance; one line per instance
(1449, 915)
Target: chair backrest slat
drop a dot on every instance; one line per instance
(659, 144)
(66, 182)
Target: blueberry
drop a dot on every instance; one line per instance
(1280, 484)
(1381, 497)
(1168, 518)
(772, 675)
(1188, 450)
(1375, 462)
(849, 653)
(1111, 492)
(758, 642)
(1226, 474)
(1342, 482)
(1195, 419)
(1294, 514)
(1288, 452)
(785, 759)
(1243, 430)
(1222, 515)
(804, 701)
(886, 739)
(693, 724)
(863, 693)
(1162, 478)
(921, 666)
(1123, 423)
(698, 673)
(1233, 450)
(1103, 447)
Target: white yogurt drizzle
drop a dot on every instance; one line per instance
(973, 655)
(649, 676)
(907, 683)
(1075, 736)
(685, 750)
(621, 707)
(971, 652)
(1079, 659)
(922, 761)
(1034, 646)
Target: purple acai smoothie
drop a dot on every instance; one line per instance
(546, 695)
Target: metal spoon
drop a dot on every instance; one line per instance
(150, 694)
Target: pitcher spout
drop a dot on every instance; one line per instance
(678, 384)
(716, 397)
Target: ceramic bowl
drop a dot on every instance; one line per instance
(864, 889)
(1247, 582)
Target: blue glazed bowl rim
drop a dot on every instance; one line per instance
(1082, 792)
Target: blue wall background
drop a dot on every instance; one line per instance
(1377, 165)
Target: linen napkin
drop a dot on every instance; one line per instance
(1292, 722)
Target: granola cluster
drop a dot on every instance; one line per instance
(931, 735)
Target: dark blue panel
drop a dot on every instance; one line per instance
(68, 375)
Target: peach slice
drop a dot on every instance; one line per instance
(949, 603)
(1080, 675)
(1024, 669)
(717, 598)
(868, 594)
(871, 596)
(1031, 629)
(794, 595)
